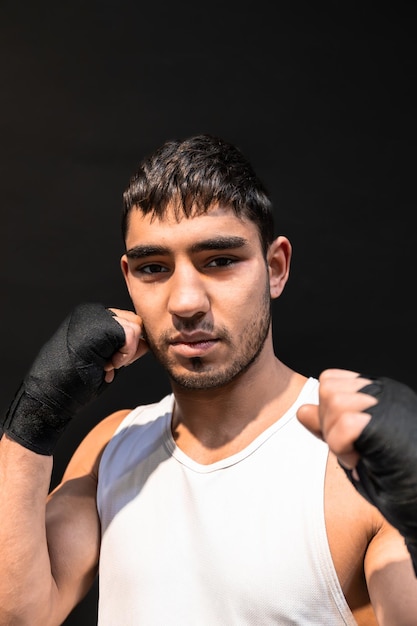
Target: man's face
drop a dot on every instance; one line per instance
(201, 288)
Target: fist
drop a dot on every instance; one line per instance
(134, 347)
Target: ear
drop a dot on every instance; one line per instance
(278, 260)
(124, 264)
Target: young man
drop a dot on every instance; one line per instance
(214, 505)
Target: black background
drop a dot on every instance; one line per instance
(319, 96)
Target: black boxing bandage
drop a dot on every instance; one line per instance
(387, 468)
(66, 375)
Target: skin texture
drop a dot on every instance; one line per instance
(204, 311)
(188, 341)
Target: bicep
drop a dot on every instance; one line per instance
(73, 536)
(72, 521)
(391, 580)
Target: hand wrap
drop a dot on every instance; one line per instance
(388, 465)
(66, 375)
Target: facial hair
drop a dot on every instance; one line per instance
(245, 351)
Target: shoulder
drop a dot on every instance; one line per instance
(87, 456)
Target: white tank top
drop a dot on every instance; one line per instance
(241, 541)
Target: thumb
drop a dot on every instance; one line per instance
(308, 416)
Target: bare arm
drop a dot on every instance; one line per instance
(49, 553)
(25, 478)
(390, 578)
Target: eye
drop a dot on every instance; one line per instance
(221, 261)
(152, 268)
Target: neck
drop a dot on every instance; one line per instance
(212, 424)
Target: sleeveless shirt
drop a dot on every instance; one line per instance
(238, 542)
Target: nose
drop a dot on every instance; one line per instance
(188, 295)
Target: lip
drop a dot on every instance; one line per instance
(192, 337)
(193, 344)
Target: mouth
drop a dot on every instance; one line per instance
(193, 344)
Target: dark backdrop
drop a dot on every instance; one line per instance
(320, 98)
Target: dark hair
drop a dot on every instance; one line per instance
(194, 174)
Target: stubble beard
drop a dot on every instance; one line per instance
(202, 376)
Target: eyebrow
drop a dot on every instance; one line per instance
(216, 243)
